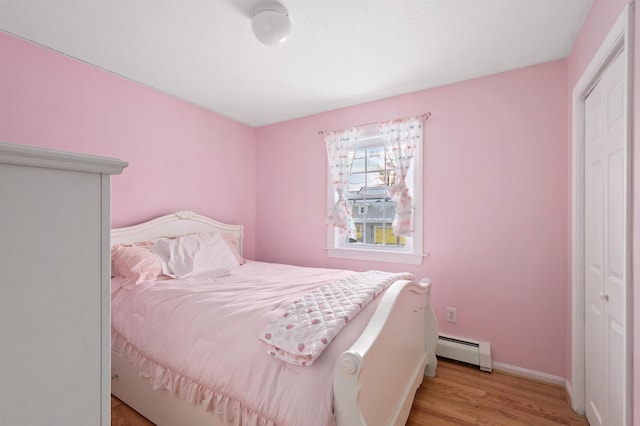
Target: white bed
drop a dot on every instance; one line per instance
(374, 378)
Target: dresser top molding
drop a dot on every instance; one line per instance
(24, 155)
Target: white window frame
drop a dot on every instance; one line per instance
(377, 253)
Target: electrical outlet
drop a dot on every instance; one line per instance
(452, 315)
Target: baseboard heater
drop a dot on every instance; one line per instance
(465, 350)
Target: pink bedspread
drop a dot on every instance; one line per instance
(198, 337)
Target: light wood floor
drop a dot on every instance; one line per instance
(462, 395)
(123, 415)
(459, 395)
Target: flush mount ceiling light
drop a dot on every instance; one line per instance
(271, 23)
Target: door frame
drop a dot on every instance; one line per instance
(618, 40)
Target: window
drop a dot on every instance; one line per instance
(372, 209)
(370, 177)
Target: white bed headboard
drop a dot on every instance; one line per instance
(171, 225)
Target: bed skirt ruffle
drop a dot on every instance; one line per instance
(225, 409)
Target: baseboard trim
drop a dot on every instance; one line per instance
(531, 374)
(571, 397)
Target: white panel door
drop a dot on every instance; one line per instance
(606, 248)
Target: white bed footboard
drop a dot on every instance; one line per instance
(376, 379)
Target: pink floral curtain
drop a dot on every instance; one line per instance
(401, 138)
(340, 146)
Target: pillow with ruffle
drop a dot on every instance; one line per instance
(135, 264)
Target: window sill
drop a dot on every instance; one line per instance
(376, 255)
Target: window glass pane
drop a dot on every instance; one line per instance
(375, 158)
(389, 177)
(357, 183)
(359, 162)
(375, 209)
(359, 209)
(390, 209)
(359, 234)
(374, 181)
(384, 235)
(358, 165)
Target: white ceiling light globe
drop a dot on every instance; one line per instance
(271, 24)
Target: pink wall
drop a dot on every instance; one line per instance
(601, 18)
(496, 205)
(180, 156)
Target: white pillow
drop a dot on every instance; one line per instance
(194, 254)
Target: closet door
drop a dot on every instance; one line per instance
(606, 263)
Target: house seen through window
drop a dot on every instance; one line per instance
(372, 209)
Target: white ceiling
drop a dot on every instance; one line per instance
(340, 52)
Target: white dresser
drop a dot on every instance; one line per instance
(54, 287)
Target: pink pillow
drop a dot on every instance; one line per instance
(136, 264)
